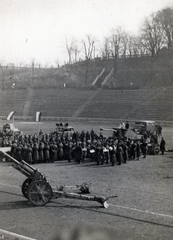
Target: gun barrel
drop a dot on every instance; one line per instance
(108, 129)
(13, 159)
(22, 166)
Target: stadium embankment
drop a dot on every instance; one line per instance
(130, 72)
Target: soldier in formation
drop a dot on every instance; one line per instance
(48, 148)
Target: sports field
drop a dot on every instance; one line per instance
(142, 210)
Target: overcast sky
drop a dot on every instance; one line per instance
(37, 29)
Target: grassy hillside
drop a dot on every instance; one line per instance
(130, 73)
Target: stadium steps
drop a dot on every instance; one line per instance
(58, 102)
(141, 103)
(88, 102)
(28, 102)
(159, 107)
(114, 103)
(166, 100)
(12, 100)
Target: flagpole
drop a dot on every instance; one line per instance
(13, 125)
(38, 133)
(38, 118)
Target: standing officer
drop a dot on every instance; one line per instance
(78, 153)
(162, 145)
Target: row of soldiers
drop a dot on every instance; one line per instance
(48, 148)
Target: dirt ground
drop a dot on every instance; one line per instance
(142, 210)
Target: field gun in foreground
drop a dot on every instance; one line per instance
(39, 192)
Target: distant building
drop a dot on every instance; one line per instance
(111, 83)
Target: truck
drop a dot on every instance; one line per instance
(64, 129)
(145, 126)
(9, 129)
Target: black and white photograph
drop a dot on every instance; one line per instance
(86, 119)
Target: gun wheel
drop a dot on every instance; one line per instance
(39, 192)
(25, 186)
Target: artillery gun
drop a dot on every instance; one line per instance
(39, 192)
(121, 133)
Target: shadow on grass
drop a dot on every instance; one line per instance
(96, 209)
(15, 194)
(99, 210)
(15, 205)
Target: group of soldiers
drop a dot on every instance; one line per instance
(79, 147)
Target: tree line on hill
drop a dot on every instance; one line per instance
(156, 34)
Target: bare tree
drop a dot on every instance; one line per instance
(76, 49)
(131, 46)
(125, 40)
(88, 46)
(164, 20)
(116, 40)
(151, 35)
(69, 44)
(134, 46)
(105, 50)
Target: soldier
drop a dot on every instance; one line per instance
(29, 154)
(125, 151)
(13, 149)
(87, 136)
(82, 136)
(88, 147)
(35, 155)
(74, 136)
(78, 153)
(46, 153)
(92, 151)
(18, 152)
(24, 152)
(50, 151)
(66, 149)
(112, 153)
(30, 138)
(144, 148)
(162, 145)
(138, 147)
(61, 151)
(54, 148)
(73, 151)
(106, 152)
(133, 150)
(127, 125)
(84, 150)
(69, 151)
(92, 134)
(99, 153)
(40, 151)
(119, 153)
